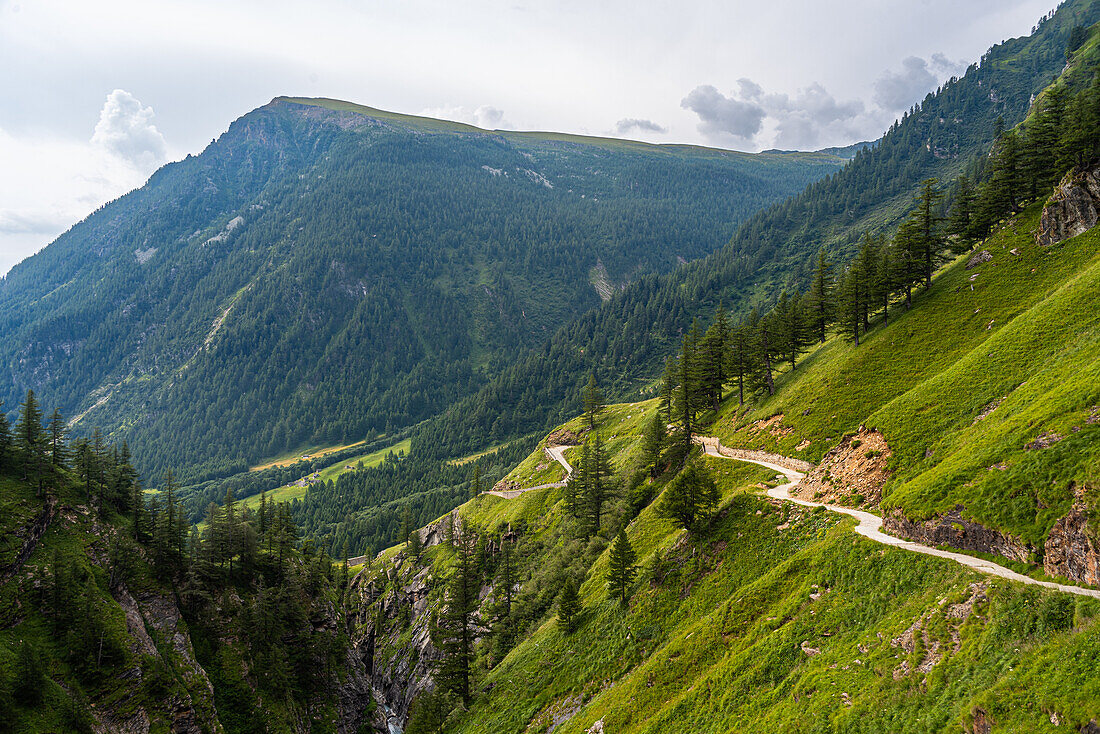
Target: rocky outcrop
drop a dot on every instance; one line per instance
(192, 711)
(31, 535)
(978, 258)
(397, 669)
(1072, 549)
(1073, 208)
(952, 530)
(852, 472)
(565, 437)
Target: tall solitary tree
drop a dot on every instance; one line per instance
(30, 440)
(928, 235)
(621, 569)
(569, 607)
(58, 435)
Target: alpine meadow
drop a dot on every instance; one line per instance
(362, 421)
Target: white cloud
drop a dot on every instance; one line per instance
(486, 117)
(125, 129)
(60, 180)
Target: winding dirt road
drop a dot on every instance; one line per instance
(557, 453)
(870, 525)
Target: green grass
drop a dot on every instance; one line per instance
(715, 644)
(1028, 332)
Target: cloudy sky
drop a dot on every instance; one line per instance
(98, 94)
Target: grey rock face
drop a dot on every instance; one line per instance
(1072, 209)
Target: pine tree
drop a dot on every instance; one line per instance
(791, 331)
(30, 441)
(712, 357)
(852, 300)
(621, 569)
(475, 488)
(59, 450)
(654, 443)
(691, 497)
(7, 445)
(455, 624)
(820, 297)
(763, 350)
(740, 359)
(668, 389)
(569, 607)
(928, 237)
(594, 488)
(593, 402)
(960, 223)
(414, 545)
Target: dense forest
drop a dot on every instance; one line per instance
(324, 273)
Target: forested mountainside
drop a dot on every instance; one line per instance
(625, 341)
(325, 271)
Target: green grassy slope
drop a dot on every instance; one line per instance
(1022, 328)
(776, 618)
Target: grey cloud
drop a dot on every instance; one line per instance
(633, 123)
(898, 90)
(721, 115)
(126, 130)
(799, 120)
(946, 66)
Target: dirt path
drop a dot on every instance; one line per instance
(870, 525)
(557, 453)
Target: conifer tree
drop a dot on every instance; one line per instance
(30, 440)
(712, 358)
(928, 237)
(654, 443)
(475, 485)
(668, 388)
(7, 445)
(960, 223)
(691, 497)
(455, 623)
(740, 359)
(569, 607)
(593, 402)
(763, 350)
(58, 433)
(820, 298)
(621, 569)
